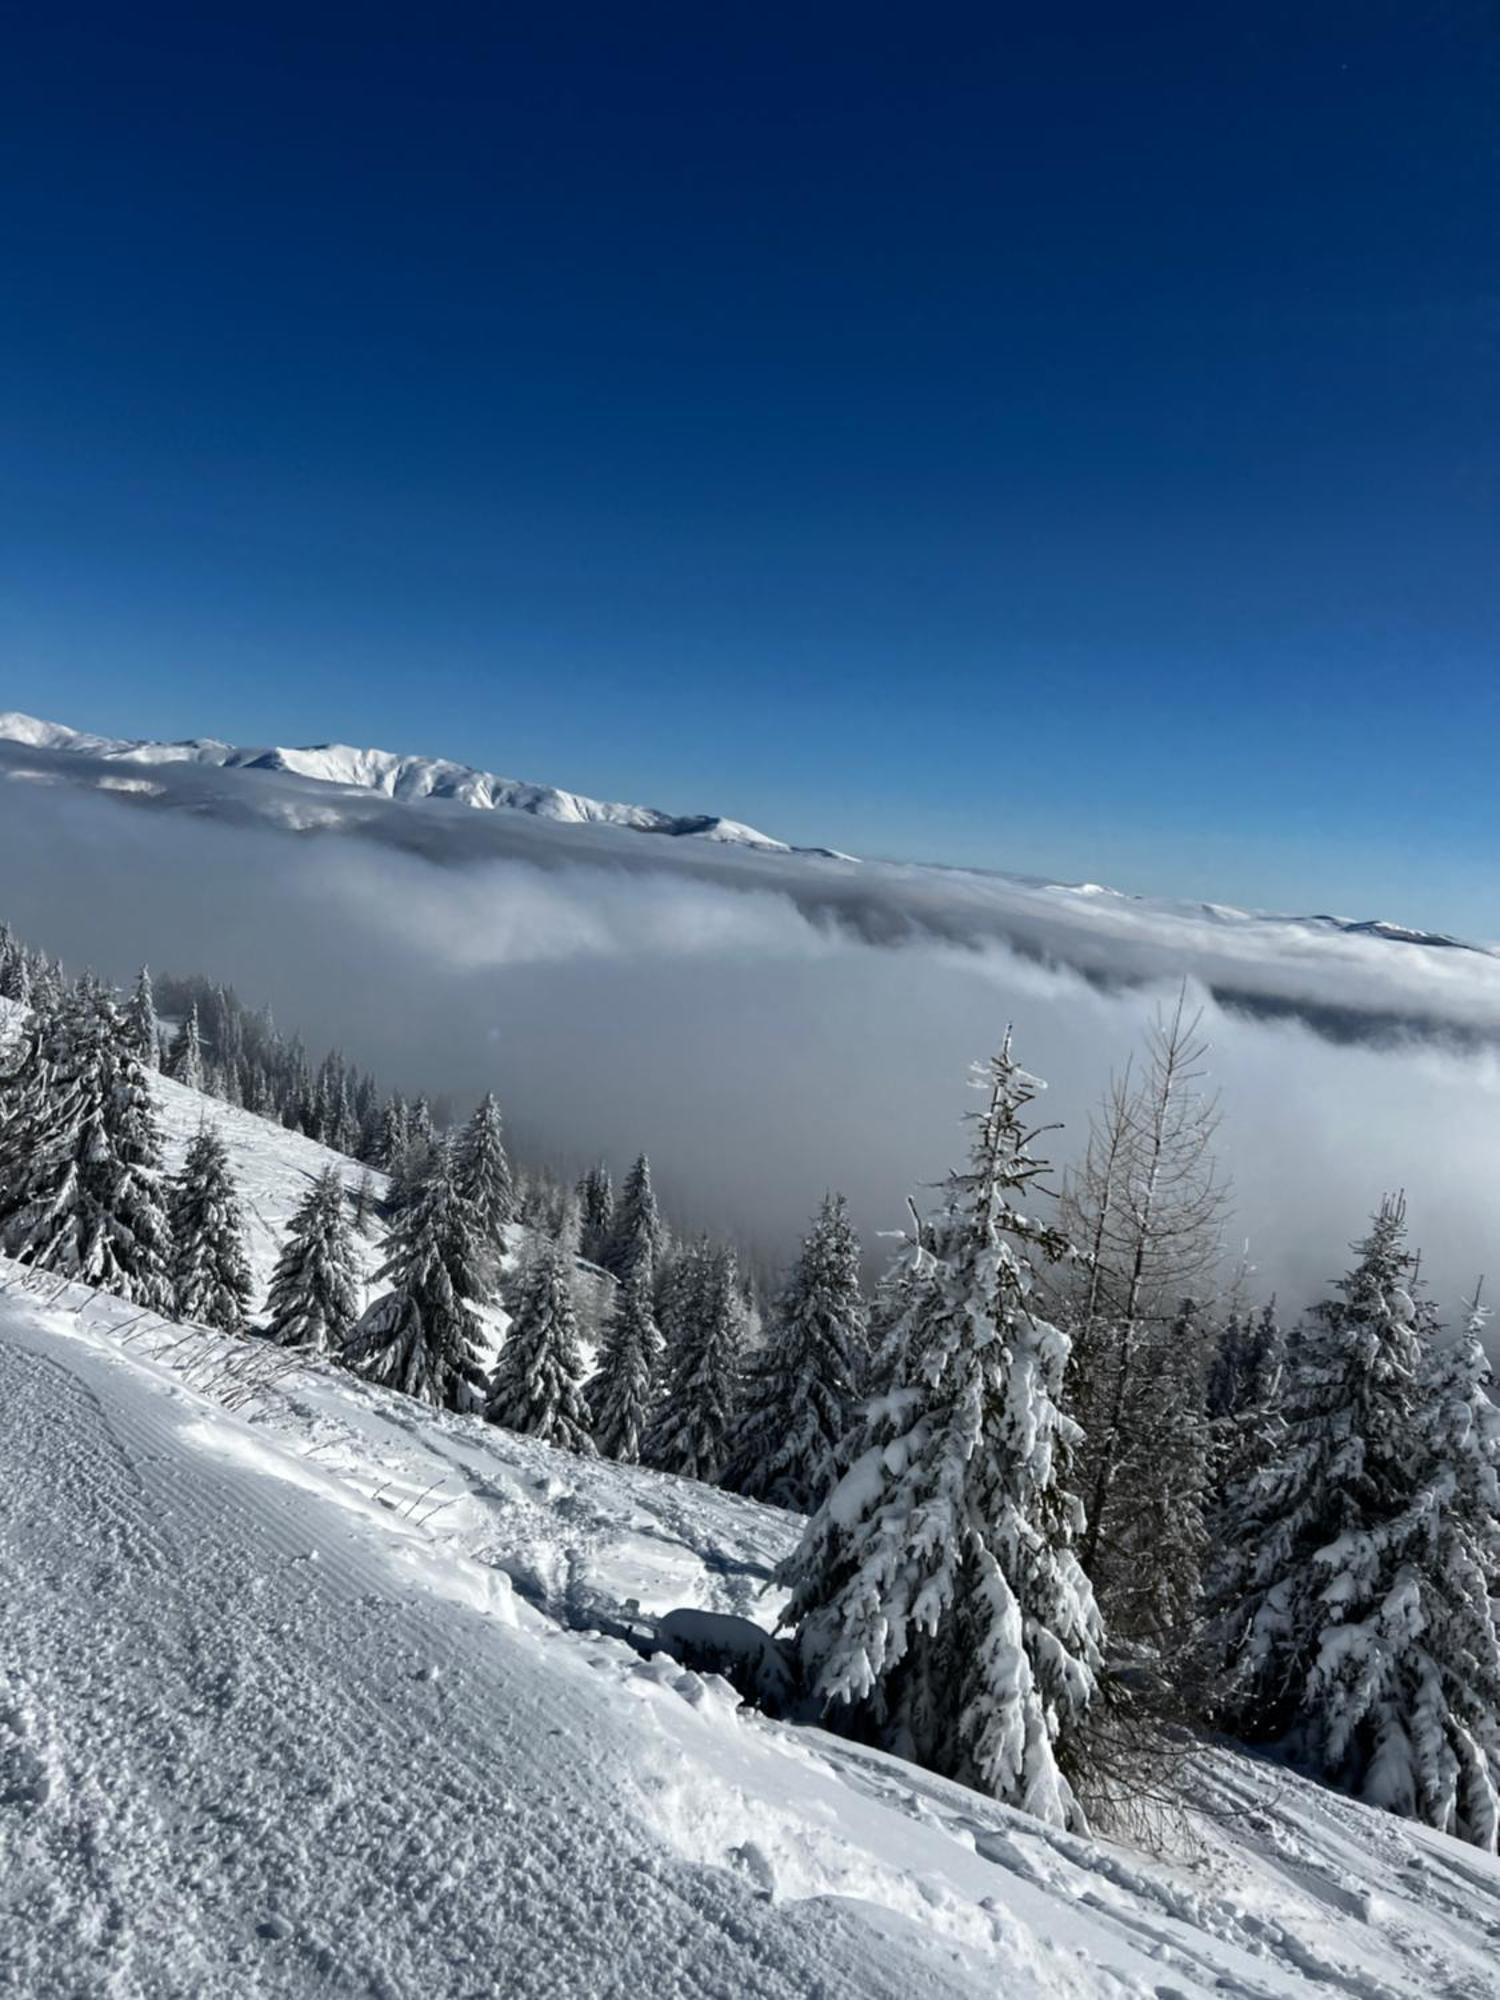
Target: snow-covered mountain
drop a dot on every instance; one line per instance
(308, 1689)
(394, 776)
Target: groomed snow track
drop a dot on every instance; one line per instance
(270, 1725)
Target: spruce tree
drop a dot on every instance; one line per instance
(80, 1171)
(314, 1296)
(1438, 1758)
(939, 1603)
(595, 1195)
(636, 1231)
(690, 1426)
(799, 1391)
(622, 1394)
(483, 1170)
(537, 1386)
(140, 1018)
(185, 1058)
(211, 1282)
(1310, 1629)
(422, 1336)
(395, 1135)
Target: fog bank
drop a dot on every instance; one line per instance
(759, 1053)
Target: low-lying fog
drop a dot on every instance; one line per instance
(758, 1051)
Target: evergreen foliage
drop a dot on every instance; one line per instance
(422, 1336)
(314, 1296)
(938, 1598)
(185, 1057)
(538, 1382)
(140, 1020)
(483, 1171)
(705, 1333)
(80, 1169)
(211, 1281)
(637, 1234)
(799, 1390)
(622, 1393)
(595, 1195)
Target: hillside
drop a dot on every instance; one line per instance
(304, 1691)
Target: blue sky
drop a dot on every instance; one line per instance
(1060, 438)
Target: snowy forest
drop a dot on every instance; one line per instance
(1073, 1493)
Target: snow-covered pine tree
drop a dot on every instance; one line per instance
(185, 1057)
(80, 1173)
(395, 1134)
(422, 1335)
(699, 1397)
(211, 1282)
(939, 1603)
(483, 1170)
(622, 1394)
(15, 968)
(595, 1195)
(140, 1019)
(637, 1231)
(799, 1388)
(314, 1296)
(1446, 1770)
(1313, 1630)
(537, 1387)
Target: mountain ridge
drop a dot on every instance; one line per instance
(403, 776)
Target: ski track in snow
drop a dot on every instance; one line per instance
(265, 1729)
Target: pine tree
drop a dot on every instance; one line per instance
(484, 1176)
(314, 1297)
(15, 968)
(799, 1392)
(185, 1058)
(80, 1169)
(395, 1135)
(1314, 1625)
(595, 1195)
(1440, 1762)
(690, 1426)
(938, 1598)
(211, 1281)
(538, 1382)
(422, 1336)
(622, 1394)
(636, 1231)
(140, 1018)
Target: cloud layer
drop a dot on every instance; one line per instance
(760, 1051)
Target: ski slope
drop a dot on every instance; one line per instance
(297, 1696)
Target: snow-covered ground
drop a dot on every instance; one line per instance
(293, 1700)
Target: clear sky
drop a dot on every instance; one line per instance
(1060, 438)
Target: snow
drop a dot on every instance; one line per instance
(306, 1689)
(299, 1697)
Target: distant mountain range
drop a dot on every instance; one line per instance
(1349, 979)
(401, 777)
